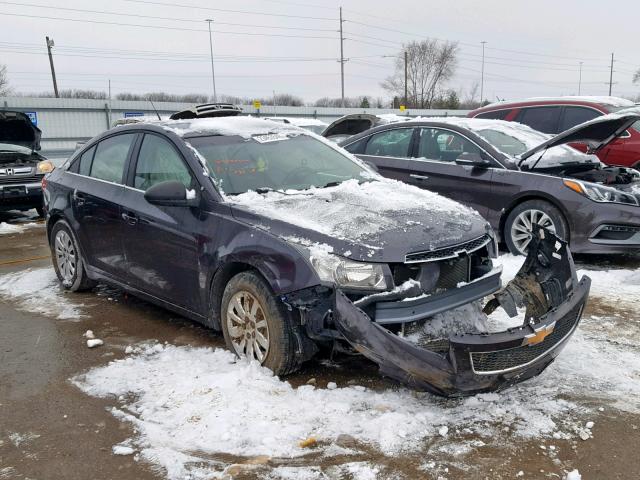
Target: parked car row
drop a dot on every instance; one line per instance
(287, 244)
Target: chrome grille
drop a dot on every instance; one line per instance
(512, 358)
(20, 179)
(447, 252)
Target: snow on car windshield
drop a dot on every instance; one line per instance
(274, 161)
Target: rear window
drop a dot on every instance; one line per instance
(543, 119)
(494, 115)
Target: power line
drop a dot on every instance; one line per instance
(153, 17)
(104, 22)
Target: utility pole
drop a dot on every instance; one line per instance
(53, 70)
(406, 56)
(580, 79)
(213, 72)
(482, 74)
(611, 76)
(341, 59)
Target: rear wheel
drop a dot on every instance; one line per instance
(67, 259)
(256, 326)
(518, 227)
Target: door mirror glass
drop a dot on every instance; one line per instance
(472, 159)
(171, 193)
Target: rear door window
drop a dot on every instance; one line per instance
(575, 116)
(495, 115)
(543, 119)
(110, 157)
(391, 143)
(159, 161)
(444, 145)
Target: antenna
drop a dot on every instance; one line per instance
(154, 109)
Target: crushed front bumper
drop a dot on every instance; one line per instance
(546, 286)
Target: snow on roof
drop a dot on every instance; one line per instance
(245, 127)
(297, 121)
(602, 100)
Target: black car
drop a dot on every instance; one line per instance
(21, 167)
(517, 177)
(287, 243)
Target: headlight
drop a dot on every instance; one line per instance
(45, 166)
(347, 273)
(600, 193)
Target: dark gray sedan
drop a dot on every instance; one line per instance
(517, 177)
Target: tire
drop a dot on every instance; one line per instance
(67, 259)
(40, 211)
(273, 324)
(520, 218)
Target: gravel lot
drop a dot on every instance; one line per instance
(160, 399)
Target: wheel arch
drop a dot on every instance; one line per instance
(538, 195)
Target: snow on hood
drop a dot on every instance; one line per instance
(298, 121)
(376, 220)
(244, 127)
(526, 135)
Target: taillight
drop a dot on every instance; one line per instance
(44, 183)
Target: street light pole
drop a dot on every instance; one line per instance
(213, 72)
(482, 74)
(580, 79)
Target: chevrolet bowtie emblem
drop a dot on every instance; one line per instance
(539, 335)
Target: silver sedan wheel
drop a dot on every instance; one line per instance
(65, 256)
(523, 224)
(247, 326)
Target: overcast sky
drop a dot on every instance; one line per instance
(533, 48)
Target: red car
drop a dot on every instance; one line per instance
(555, 115)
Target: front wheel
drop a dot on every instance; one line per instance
(519, 224)
(256, 326)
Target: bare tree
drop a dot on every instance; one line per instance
(429, 64)
(4, 81)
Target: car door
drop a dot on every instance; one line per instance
(96, 202)
(433, 166)
(545, 119)
(161, 242)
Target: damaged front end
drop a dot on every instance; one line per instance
(455, 363)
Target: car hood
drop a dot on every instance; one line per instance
(16, 129)
(375, 221)
(595, 133)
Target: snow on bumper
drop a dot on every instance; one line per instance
(546, 286)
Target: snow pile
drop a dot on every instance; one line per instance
(38, 291)
(10, 228)
(189, 403)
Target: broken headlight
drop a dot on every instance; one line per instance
(349, 274)
(600, 193)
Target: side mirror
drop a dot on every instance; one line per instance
(473, 160)
(372, 166)
(171, 194)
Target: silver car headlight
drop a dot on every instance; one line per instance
(347, 273)
(600, 193)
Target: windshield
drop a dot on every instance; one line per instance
(274, 162)
(503, 142)
(10, 147)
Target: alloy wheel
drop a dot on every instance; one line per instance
(523, 225)
(247, 326)
(65, 256)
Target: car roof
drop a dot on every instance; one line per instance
(603, 101)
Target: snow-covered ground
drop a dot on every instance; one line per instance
(11, 228)
(38, 290)
(191, 406)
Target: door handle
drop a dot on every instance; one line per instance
(78, 198)
(419, 177)
(130, 218)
